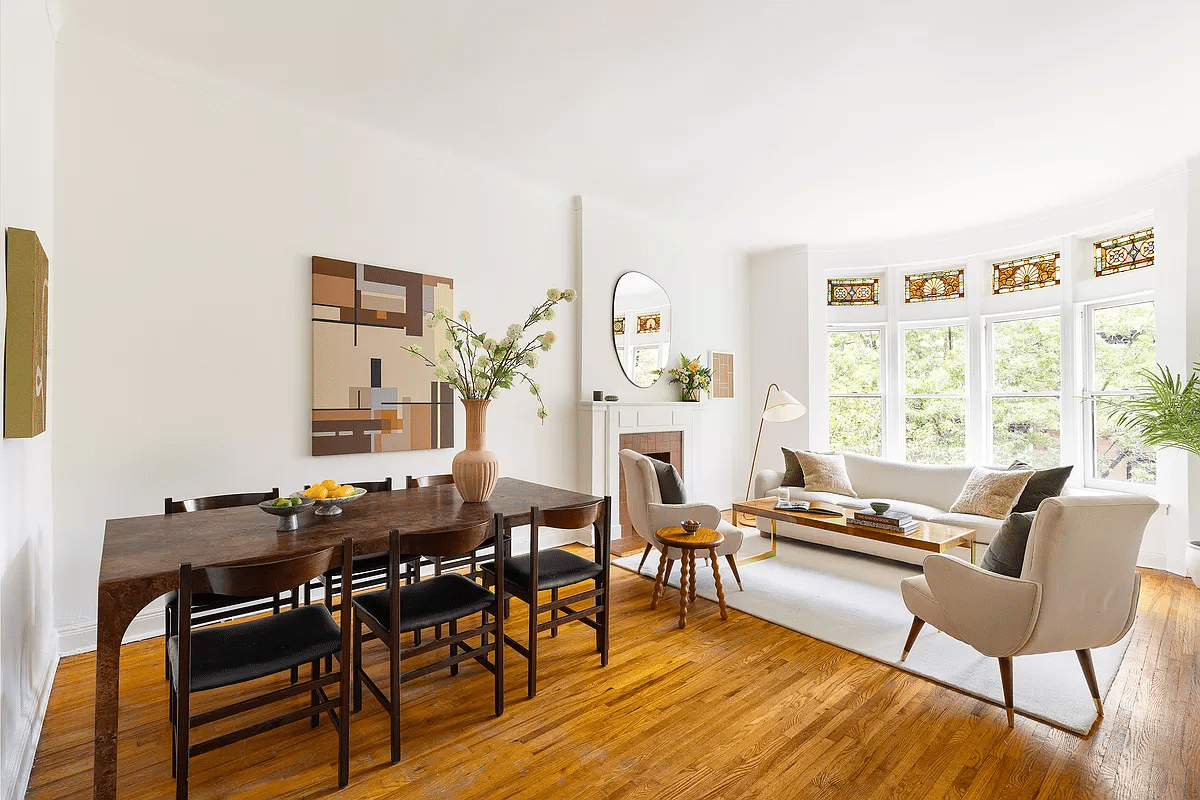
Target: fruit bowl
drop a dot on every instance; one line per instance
(690, 526)
(332, 506)
(287, 514)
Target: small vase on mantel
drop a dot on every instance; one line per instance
(691, 395)
(476, 468)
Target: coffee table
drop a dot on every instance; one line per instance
(703, 539)
(932, 537)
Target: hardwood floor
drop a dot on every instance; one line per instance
(735, 709)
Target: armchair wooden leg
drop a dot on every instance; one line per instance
(733, 566)
(917, 624)
(1089, 672)
(1006, 678)
(645, 553)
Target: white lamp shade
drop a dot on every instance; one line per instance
(782, 407)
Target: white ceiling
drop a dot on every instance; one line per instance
(773, 122)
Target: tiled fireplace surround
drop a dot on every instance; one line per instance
(666, 431)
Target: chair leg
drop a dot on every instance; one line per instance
(313, 696)
(394, 681)
(1089, 673)
(733, 566)
(553, 613)
(358, 679)
(645, 553)
(917, 624)
(167, 638)
(533, 626)
(1006, 678)
(452, 626)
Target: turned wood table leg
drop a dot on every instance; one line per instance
(684, 567)
(717, 579)
(658, 582)
(692, 582)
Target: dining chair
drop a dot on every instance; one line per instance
(527, 576)
(435, 602)
(440, 565)
(208, 608)
(370, 569)
(228, 655)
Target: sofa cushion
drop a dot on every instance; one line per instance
(793, 475)
(991, 493)
(934, 485)
(825, 473)
(985, 527)
(1044, 483)
(670, 483)
(1006, 553)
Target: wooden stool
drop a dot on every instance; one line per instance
(689, 543)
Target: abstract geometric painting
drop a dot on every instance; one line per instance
(1123, 253)
(27, 307)
(941, 285)
(1019, 274)
(852, 292)
(369, 394)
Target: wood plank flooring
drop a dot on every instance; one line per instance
(735, 709)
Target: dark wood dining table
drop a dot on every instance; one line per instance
(142, 555)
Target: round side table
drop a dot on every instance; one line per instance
(689, 543)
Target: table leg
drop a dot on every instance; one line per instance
(692, 582)
(763, 556)
(972, 551)
(658, 582)
(712, 553)
(683, 585)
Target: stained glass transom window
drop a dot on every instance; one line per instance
(618, 326)
(853, 292)
(944, 284)
(1123, 253)
(649, 323)
(1019, 274)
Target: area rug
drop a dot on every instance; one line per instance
(853, 601)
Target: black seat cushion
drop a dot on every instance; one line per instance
(229, 654)
(433, 601)
(556, 568)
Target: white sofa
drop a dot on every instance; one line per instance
(927, 491)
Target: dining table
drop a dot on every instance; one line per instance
(141, 558)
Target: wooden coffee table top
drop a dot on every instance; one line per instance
(931, 536)
(702, 539)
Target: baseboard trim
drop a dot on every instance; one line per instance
(1162, 561)
(30, 736)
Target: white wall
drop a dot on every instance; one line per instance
(28, 643)
(1163, 199)
(706, 286)
(188, 210)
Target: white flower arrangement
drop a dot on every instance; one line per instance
(479, 366)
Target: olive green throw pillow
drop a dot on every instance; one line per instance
(1006, 552)
(1044, 483)
(793, 475)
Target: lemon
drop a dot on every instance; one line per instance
(317, 492)
(343, 491)
(330, 484)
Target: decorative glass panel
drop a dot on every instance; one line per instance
(618, 326)
(1019, 274)
(942, 285)
(853, 292)
(649, 323)
(1123, 253)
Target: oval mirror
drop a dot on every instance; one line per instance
(641, 324)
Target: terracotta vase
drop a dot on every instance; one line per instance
(476, 468)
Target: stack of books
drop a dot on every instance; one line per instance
(888, 520)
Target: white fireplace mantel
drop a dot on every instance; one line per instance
(604, 422)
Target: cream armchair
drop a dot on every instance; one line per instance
(1078, 588)
(648, 513)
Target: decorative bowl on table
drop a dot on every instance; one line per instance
(690, 526)
(879, 508)
(332, 506)
(286, 513)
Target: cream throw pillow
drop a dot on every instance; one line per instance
(990, 493)
(826, 473)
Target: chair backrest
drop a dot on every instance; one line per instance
(454, 541)
(173, 506)
(266, 578)
(641, 488)
(1083, 551)
(384, 485)
(427, 480)
(595, 515)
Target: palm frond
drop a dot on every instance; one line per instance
(1165, 412)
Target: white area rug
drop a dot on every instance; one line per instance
(853, 601)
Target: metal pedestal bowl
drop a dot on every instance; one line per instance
(287, 514)
(332, 506)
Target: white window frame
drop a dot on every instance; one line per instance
(902, 379)
(989, 379)
(881, 329)
(1087, 400)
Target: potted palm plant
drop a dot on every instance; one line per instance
(1165, 412)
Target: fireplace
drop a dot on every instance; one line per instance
(666, 446)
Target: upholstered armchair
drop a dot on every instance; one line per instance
(648, 513)
(1078, 588)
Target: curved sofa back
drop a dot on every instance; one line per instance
(934, 485)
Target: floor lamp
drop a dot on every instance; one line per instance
(779, 406)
